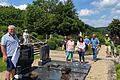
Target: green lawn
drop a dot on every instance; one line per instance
(37, 56)
(2, 65)
(118, 71)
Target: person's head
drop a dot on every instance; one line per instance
(69, 37)
(94, 36)
(81, 39)
(106, 35)
(11, 29)
(26, 30)
(86, 36)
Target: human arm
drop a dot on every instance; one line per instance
(3, 49)
(98, 43)
(4, 52)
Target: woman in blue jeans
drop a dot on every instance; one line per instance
(81, 49)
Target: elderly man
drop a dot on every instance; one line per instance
(9, 45)
(95, 44)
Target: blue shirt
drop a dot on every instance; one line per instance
(10, 43)
(87, 41)
(94, 42)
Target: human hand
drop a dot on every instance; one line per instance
(4, 58)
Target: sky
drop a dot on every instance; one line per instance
(96, 13)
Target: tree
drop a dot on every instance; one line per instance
(10, 15)
(114, 28)
(52, 16)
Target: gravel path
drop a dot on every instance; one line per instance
(100, 70)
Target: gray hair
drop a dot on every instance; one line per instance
(11, 26)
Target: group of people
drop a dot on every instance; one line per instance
(10, 48)
(81, 47)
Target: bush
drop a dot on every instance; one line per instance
(89, 52)
(2, 65)
(118, 46)
(52, 44)
(1, 34)
(118, 71)
(55, 42)
(34, 34)
(40, 37)
(3, 29)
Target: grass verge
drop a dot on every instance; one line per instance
(2, 65)
(117, 67)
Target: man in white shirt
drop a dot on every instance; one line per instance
(26, 37)
(9, 44)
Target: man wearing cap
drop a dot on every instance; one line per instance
(107, 44)
(9, 46)
(26, 37)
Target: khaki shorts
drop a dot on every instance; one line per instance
(108, 48)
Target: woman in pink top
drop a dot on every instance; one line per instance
(69, 49)
(81, 49)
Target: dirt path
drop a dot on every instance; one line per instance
(99, 70)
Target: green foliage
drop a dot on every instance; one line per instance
(118, 46)
(89, 50)
(40, 37)
(114, 28)
(3, 30)
(1, 35)
(118, 71)
(51, 44)
(34, 34)
(99, 35)
(2, 65)
(52, 16)
(55, 41)
(10, 15)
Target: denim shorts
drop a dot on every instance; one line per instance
(9, 64)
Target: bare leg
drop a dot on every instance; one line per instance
(12, 73)
(7, 75)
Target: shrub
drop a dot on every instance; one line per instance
(118, 71)
(118, 46)
(40, 37)
(52, 44)
(3, 29)
(2, 65)
(56, 41)
(34, 34)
